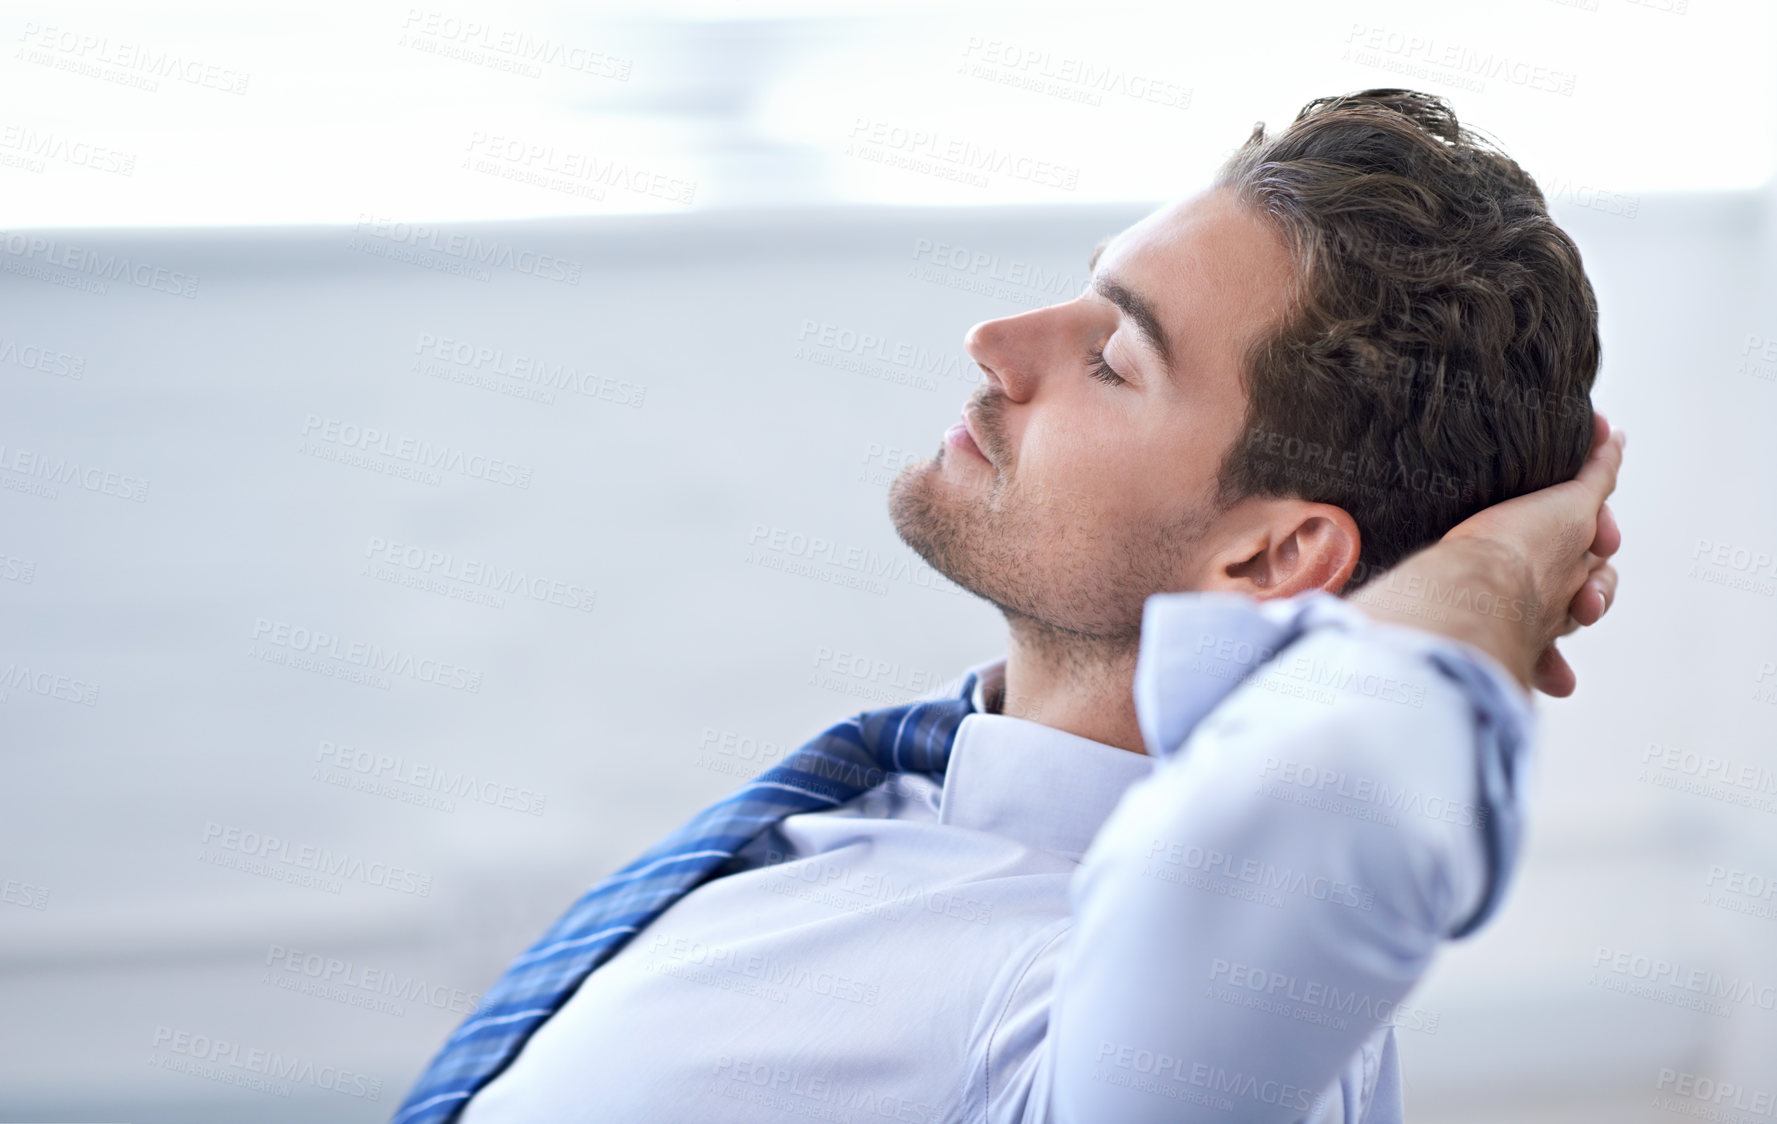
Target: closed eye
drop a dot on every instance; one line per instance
(1101, 370)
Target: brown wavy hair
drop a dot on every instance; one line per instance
(1442, 341)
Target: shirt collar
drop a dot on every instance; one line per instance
(1043, 787)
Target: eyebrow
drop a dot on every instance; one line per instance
(1133, 306)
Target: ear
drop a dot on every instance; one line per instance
(1289, 547)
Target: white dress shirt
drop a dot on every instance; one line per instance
(1064, 931)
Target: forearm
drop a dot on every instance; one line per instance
(1471, 590)
(1261, 905)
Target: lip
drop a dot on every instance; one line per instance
(963, 436)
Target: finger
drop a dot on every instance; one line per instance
(1553, 676)
(1599, 473)
(1609, 536)
(1595, 594)
(1605, 578)
(1587, 607)
(1588, 603)
(1582, 606)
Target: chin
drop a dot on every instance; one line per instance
(1019, 560)
(935, 521)
(960, 535)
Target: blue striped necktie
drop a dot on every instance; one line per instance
(833, 768)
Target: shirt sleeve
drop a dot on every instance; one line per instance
(1334, 798)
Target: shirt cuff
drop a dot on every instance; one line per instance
(1196, 648)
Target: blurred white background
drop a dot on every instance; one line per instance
(595, 251)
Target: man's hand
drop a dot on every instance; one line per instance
(1543, 556)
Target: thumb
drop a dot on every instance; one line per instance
(1599, 474)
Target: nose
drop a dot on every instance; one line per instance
(1009, 352)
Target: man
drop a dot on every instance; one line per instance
(1110, 879)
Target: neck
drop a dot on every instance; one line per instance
(1072, 682)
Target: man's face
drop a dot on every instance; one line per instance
(1082, 493)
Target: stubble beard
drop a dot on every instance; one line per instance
(1041, 567)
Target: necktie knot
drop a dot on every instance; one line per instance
(917, 737)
